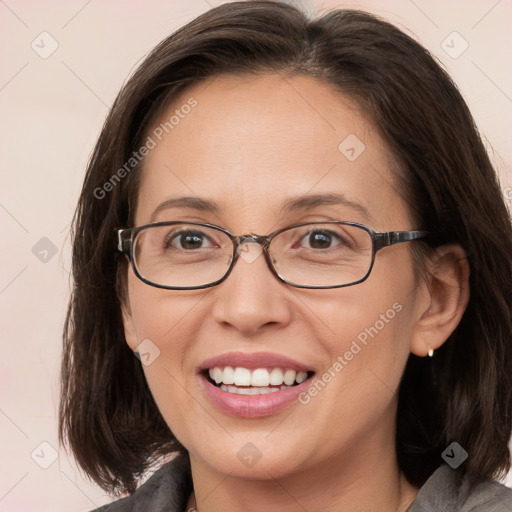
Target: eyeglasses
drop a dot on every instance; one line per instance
(190, 256)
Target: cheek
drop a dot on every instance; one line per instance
(370, 328)
(384, 343)
(367, 353)
(156, 313)
(373, 334)
(164, 325)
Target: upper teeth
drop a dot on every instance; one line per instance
(259, 377)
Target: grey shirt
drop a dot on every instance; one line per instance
(168, 489)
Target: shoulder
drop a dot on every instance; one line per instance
(448, 490)
(166, 490)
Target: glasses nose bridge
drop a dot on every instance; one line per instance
(252, 238)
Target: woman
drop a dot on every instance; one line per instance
(283, 219)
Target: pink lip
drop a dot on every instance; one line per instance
(253, 361)
(252, 406)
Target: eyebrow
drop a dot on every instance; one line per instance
(193, 203)
(312, 201)
(291, 205)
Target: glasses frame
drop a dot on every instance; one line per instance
(126, 237)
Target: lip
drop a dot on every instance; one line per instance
(252, 406)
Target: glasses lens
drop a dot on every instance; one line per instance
(322, 254)
(182, 255)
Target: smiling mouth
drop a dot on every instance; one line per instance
(259, 381)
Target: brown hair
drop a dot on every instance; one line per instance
(463, 394)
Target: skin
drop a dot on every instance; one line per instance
(249, 145)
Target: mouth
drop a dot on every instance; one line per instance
(253, 385)
(259, 381)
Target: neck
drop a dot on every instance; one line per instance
(366, 476)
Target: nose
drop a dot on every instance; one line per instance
(251, 297)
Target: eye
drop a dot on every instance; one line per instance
(323, 239)
(187, 239)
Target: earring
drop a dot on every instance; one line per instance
(430, 352)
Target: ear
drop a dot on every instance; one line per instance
(129, 325)
(444, 298)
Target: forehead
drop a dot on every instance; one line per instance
(251, 143)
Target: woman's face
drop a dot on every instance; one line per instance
(252, 146)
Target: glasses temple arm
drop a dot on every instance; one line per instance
(397, 237)
(124, 240)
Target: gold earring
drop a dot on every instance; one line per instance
(430, 352)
